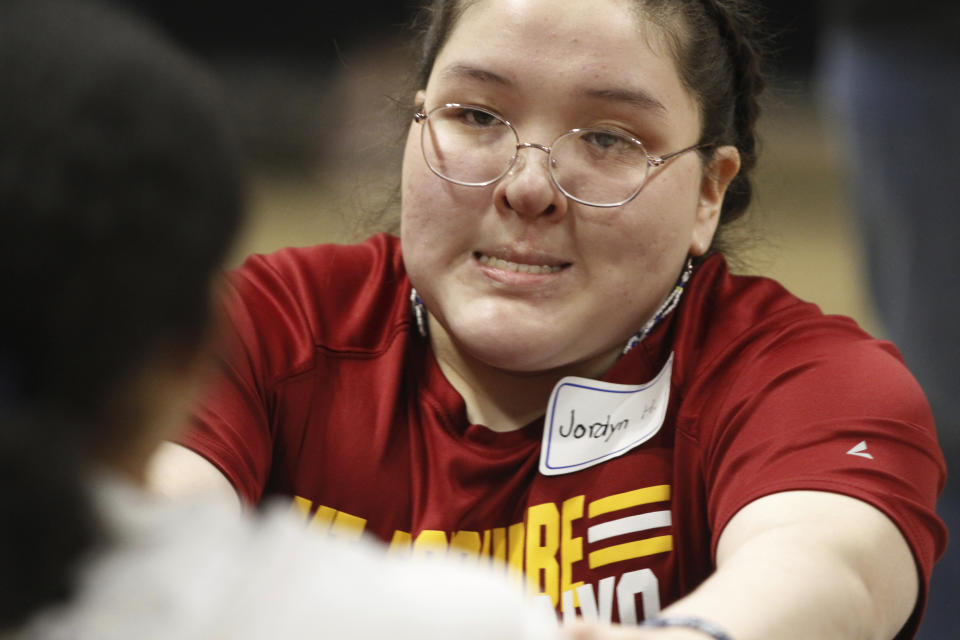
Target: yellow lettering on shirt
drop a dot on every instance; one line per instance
(571, 549)
(323, 518)
(630, 550)
(301, 506)
(543, 540)
(339, 523)
(344, 525)
(400, 543)
(465, 543)
(616, 502)
(430, 542)
(542, 550)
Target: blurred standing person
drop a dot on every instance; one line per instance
(890, 76)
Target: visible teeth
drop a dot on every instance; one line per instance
(506, 265)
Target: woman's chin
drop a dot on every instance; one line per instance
(509, 349)
(520, 339)
(528, 352)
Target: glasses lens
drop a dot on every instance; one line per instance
(468, 145)
(598, 166)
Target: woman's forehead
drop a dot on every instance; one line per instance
(552, 18)
(602, 48)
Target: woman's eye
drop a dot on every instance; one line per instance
(477, 118)
(606, 140)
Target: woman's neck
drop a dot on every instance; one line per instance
(500, 399)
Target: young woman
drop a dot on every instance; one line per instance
(119, 194)
(552, 368)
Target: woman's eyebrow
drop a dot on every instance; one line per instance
(461, 70)
(637, 98)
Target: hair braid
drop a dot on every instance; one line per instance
(737, 27)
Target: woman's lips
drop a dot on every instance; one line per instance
(518, 267)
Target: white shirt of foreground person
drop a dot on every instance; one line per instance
(190, 569)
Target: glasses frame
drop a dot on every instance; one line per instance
(653, 161)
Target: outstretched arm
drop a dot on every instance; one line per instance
(799, 565)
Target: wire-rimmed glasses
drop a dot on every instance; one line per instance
(473, 146)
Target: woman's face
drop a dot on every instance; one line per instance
(549, 66)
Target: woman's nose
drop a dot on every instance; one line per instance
(528, 188)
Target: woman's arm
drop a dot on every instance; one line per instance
(176, 471)
(808, 564)
(799, 565)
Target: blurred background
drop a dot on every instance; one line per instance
(322, 97)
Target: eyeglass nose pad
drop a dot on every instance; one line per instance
(519, 162)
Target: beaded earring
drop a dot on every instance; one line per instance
(419, 313)
(669, 304)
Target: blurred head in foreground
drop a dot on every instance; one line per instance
(120, 192)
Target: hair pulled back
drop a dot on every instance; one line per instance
(120, 191)
(718, 55)
(717, 48)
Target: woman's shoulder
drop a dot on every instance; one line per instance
(327, 269)
(742, 334)
(342, 297)
(723, 308)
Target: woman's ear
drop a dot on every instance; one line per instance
(722, 170)
(420, 97)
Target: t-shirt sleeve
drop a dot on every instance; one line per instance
(263, 338)
(831, 414)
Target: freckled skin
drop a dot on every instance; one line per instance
(619, 263)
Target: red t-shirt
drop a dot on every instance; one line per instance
(332, 397)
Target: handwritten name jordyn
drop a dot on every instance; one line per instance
(596, 430)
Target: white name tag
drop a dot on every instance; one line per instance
(589, 421)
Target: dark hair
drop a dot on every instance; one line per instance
(717, 48)
(120, 192)
(718, 54)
